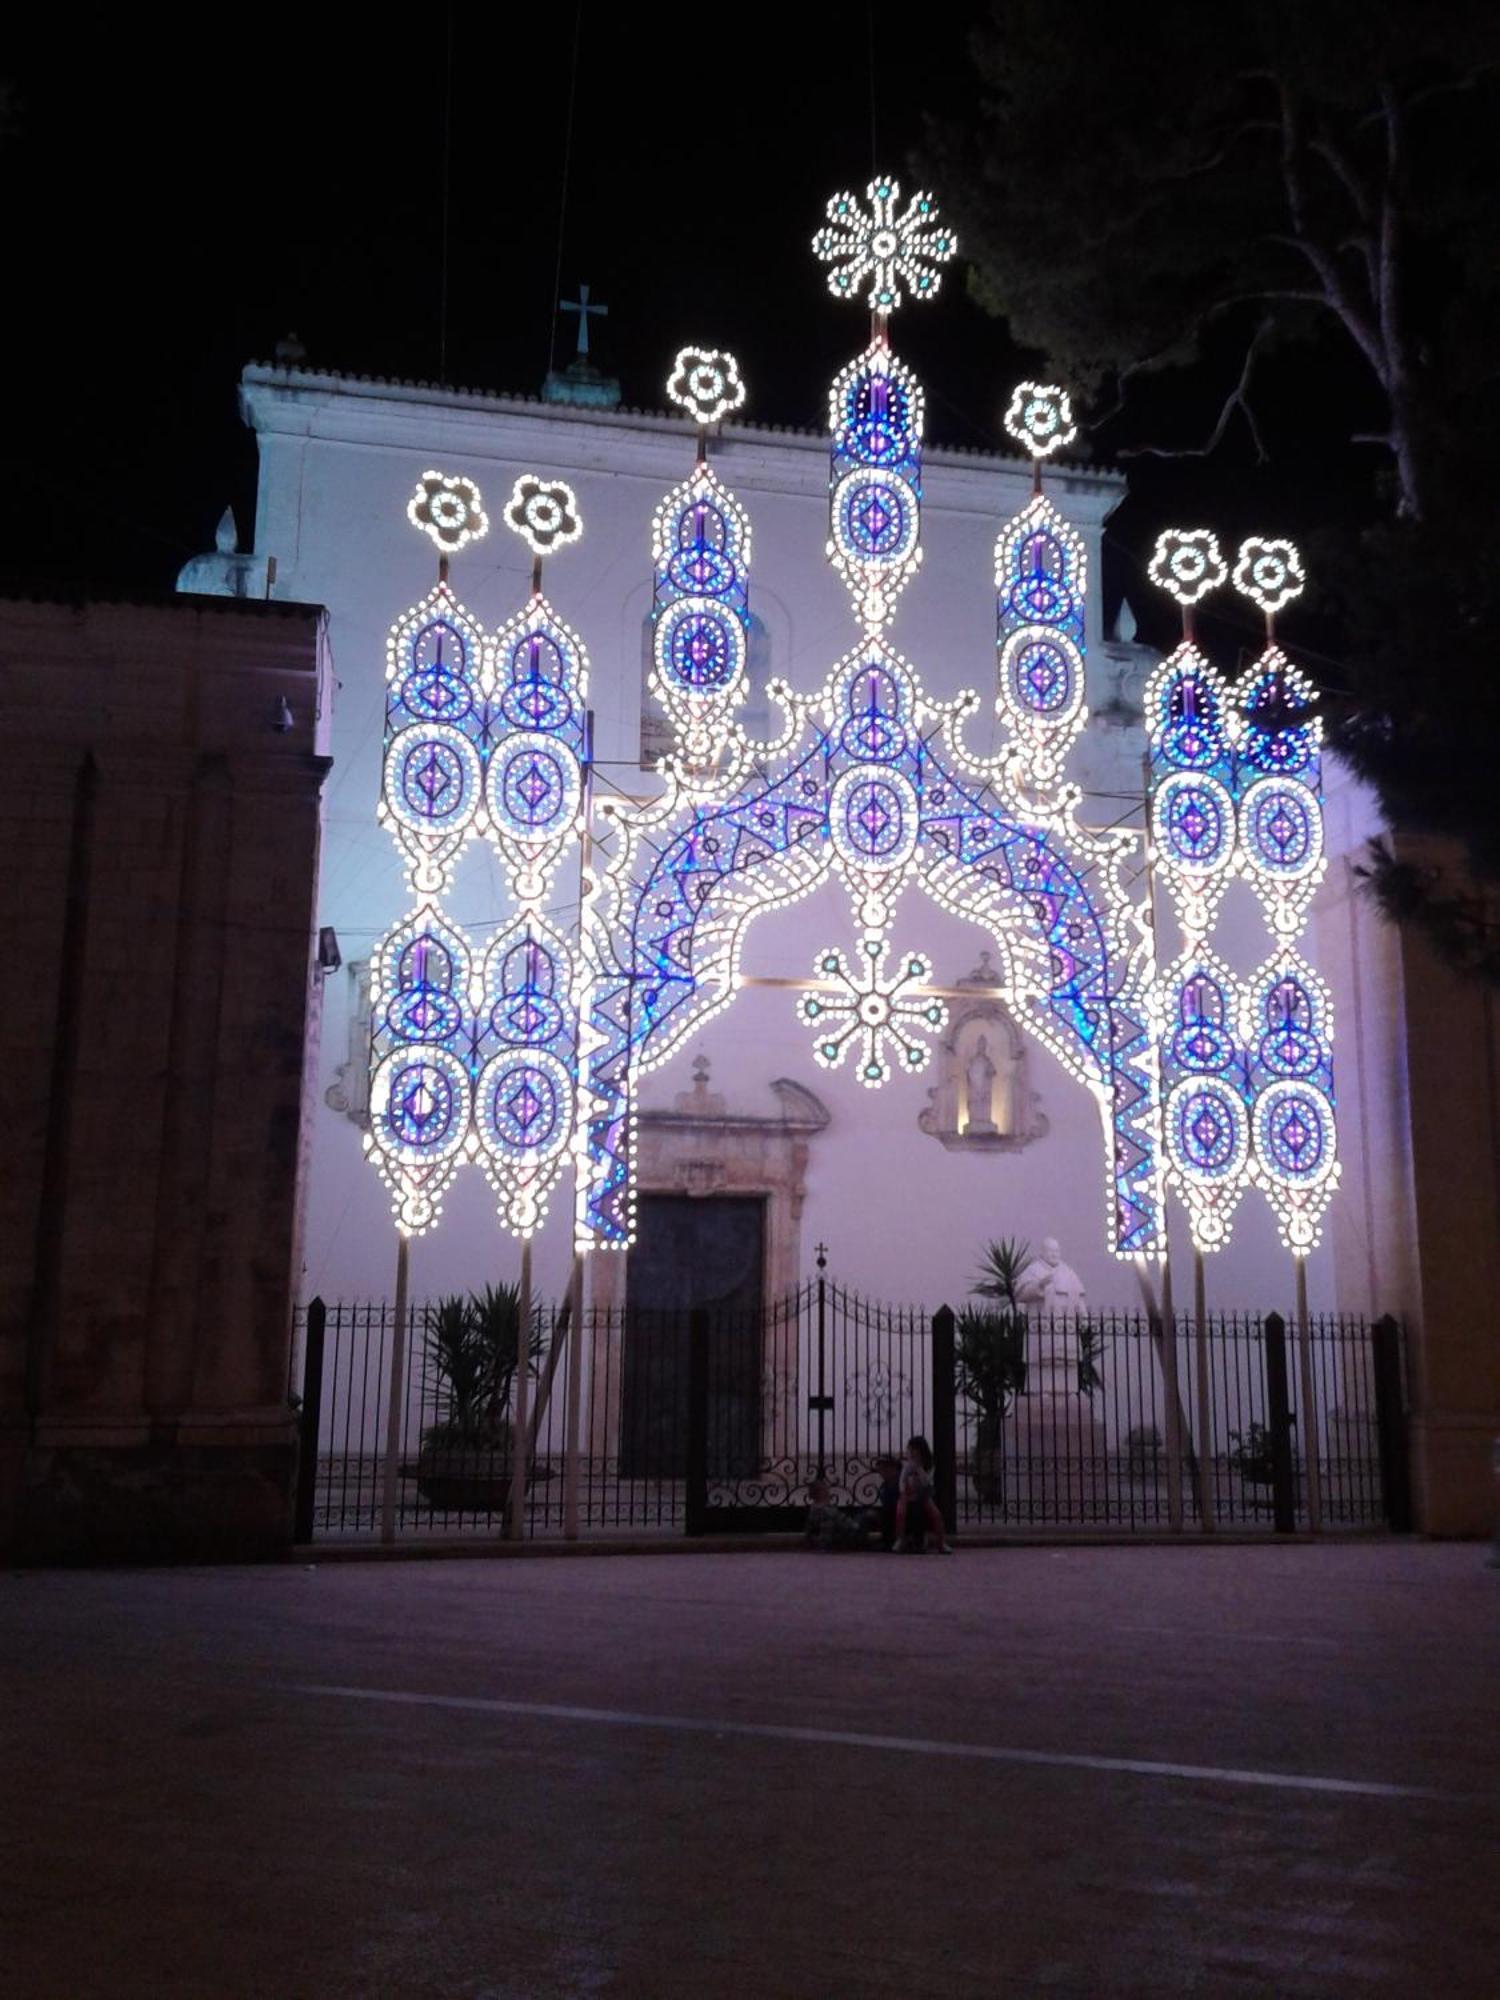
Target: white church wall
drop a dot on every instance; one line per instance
(904, 1217)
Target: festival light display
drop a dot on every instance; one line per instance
(1247, 1072)
(889, 245)
(484, 737)
(706, 383)
(859, 1007)
(1040, 418)
(529, 1055)
(1041, 581)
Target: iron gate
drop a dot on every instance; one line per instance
(820, 1385)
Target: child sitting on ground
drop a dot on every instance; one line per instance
(829, 1527)
(916, 1495)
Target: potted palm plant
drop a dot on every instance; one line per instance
(473, 1346)
(989, 1355)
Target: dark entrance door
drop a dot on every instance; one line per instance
(692, 1254)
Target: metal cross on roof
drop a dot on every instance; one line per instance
(583, 308)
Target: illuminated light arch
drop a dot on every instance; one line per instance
(681, 881)
(528, 1056)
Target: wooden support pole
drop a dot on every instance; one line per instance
(1205, 1397)
(516, 1521)
(1307, 1408)
(576, 1281)
(1173, 1393)
(574, 1401)
(395, 1409)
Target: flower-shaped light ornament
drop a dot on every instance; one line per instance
(858, 1007)
(447, 508)
(705, 381)
(1187, 563)
(1040, 418)
(891, 248)
(1269, 573)
(543, 513)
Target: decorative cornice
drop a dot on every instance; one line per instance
(312, 385)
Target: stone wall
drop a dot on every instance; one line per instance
(161, 819)
(1452, 1313)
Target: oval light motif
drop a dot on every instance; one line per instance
(1041, 675)
(873, 817)
(1282, 828)
(699, 646)
(525, 1104)
(876, 518)
(1294, 1134)
(1195, 822)
(419, 1104)
(432, 778)
(535, 788)
(1206, 1130)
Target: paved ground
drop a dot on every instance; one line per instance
(1020, 1771)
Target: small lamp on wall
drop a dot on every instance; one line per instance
(330, 958)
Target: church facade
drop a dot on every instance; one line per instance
(904, 1184)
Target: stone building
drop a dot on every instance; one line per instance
(161, 823)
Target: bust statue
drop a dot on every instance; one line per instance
(1052, 1292)
(1048, 1285)
(979, 1090)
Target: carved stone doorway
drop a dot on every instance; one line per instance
(692, 1253)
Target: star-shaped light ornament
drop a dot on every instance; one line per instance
(1269, 573)
(890, 246)
(1040, 418)
(705, 381)
(858, 1008)
(544, 513)
(1187, 564)
(447, 508)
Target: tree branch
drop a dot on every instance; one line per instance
(1237, 399)
(1206, 166)
(1338, 160)
(1448, 87)
(1304, 242)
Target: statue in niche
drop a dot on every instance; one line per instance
(982, 1101)
(979, 1089)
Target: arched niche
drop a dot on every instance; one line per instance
(981, 1099)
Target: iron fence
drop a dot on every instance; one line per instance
(652, 1422)
(1109, 1428)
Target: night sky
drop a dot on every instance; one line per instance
(180, 198)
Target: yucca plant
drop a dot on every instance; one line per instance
(989, 1354)
(473, 1344)
(461, 1361)
(497, 1321)
(1000, 1266)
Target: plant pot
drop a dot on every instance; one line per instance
(470, 1479)
(473, 1479)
